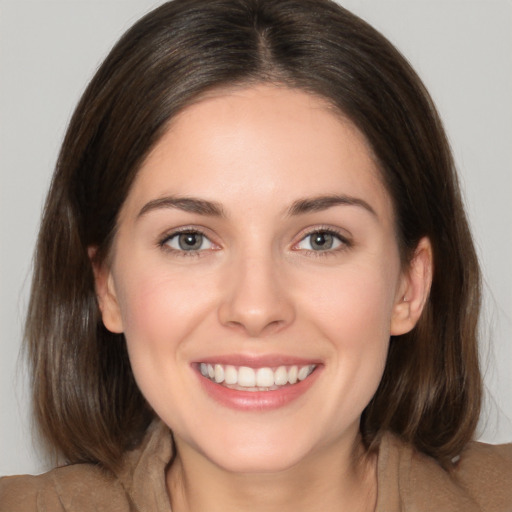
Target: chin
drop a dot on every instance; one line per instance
(250, 451)
(246, 461)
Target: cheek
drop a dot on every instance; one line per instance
(159, 311)
(353, 311)
(152, 297)
(354, 305)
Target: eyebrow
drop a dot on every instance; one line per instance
(214, 209)
(187, 204)
(320, 203)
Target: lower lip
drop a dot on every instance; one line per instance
(257, 400)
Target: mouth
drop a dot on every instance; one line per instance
(262, 379)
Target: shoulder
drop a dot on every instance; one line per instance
(83, 487)
(138, 484)
(479, 481)
(485, 471)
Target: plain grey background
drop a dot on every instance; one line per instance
(49, 49)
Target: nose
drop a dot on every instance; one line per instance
(255, 298)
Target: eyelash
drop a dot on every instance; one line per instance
(163, 243)
(345, 243)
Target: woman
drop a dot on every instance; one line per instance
(255, 286)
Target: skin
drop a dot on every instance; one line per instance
(258, 287)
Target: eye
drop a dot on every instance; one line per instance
(321, 241)
(188, 241)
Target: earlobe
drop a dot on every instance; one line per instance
(106, 294)
(414, 289)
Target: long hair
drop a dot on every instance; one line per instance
(85, 398)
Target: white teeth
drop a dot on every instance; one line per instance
(305, 372)
(281, 376)
(219, 373)
(292, 374)
(230, 375)
(264, 378)
(246, 377)
(260, 379)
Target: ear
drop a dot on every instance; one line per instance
(106, 293)
(414, 289)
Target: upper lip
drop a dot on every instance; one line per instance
(258, 361)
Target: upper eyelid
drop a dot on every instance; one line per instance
(340, 233)
(185, 229)
(346, 242)
(165, 237)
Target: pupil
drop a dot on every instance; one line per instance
(322, 241)
(190, 241)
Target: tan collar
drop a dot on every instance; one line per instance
(407, 480)
(143, 470)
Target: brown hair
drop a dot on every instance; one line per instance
(86, 401)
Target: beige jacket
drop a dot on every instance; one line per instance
(407, 482)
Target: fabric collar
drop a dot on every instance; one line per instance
(405, 477)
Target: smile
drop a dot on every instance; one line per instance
(244, 378)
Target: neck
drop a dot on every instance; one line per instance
(333, 480)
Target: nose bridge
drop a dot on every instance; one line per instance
(255, 298)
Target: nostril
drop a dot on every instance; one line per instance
(254, 329)
(255, 323)
(254, 300)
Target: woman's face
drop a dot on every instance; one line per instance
(257, 247)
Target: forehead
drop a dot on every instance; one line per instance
(262, 145)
